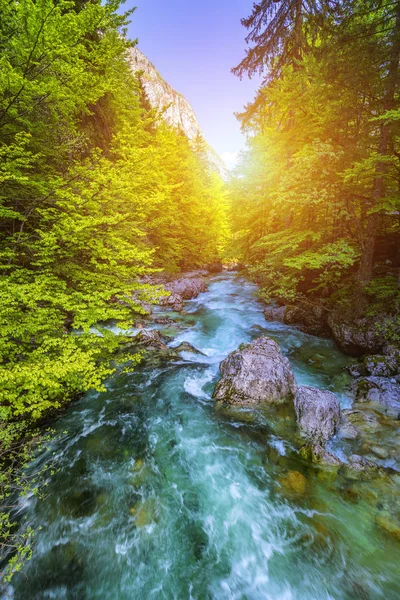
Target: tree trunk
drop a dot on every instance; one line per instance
(373, 219)
(298, 31)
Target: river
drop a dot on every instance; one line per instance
(161, 494)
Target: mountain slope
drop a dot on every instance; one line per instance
(177, 110)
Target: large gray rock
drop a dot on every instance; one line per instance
(256, 373)
(383, 365)
(382, 391)
(187, 287)
(310, 318)
(356, 337)
(317, 413)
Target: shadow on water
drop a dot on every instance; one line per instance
(162, 494)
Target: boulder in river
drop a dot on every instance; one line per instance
(355, 337)
(363, 421)
(274, 313)
(215, 267)
(150, 338)
(317, 413)
(187, 287)
(382, 391)
(186, 347)
(174, 302)
(255, 373)
(310, 318)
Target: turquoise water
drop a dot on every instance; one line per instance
(161, 494)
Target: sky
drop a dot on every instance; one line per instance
(194, 45)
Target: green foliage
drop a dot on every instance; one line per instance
(315, 200)
(385, 296)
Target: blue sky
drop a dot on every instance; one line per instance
(194, 44)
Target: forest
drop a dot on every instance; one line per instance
(99, 194)
(316, 199)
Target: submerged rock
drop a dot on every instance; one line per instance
(317, 454)
(389, 524)
(255, 373)
(363, 421)
(380, 390)
(317, 413)
(293, 482)
(359, 467)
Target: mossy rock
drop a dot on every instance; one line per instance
(293, 483)
(145, 512)
(389, 524)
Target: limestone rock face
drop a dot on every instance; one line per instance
(175, 109)
(317, 413)
(256, 373)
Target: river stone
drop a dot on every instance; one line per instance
(255, 373)
(318, 455)
(215, 267)
(187, 287)
(317, 413)
(293, 482)
(363, 421)
(382, 366)
(274, 313)
(355, 337)
(150, 339)
(186, 347)
(389, 524)
(380, 390)
(359, 467)
(174, 302)
(309, 318)
(347, 431)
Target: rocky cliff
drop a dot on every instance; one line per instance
(177, 110)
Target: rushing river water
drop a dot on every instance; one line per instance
(161, 494)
